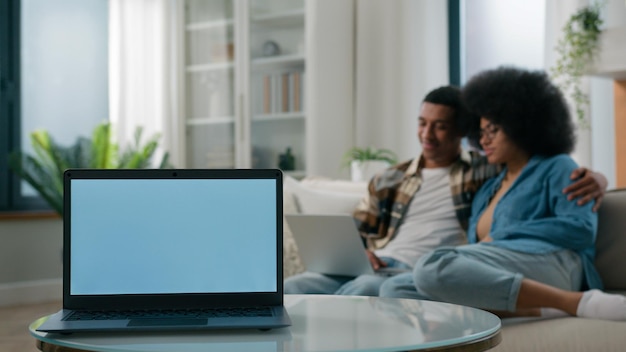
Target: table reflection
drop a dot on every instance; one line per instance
(319, 323)
(436, 320)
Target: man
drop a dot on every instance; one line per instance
(424, 203)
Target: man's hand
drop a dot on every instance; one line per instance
(376, 262)
(589, 185)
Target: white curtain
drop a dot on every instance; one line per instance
(143, 66)
(401, 54)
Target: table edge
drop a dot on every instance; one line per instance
(481, 344)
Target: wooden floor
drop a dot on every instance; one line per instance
(14, 321)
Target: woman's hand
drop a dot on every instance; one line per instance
(588, 186)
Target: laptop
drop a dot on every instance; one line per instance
(331, 245)
(155, 250)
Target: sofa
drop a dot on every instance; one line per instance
(322, 195)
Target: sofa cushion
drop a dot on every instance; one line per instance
(611, 240)
(319, 196)
(335, 185)
(561, 334)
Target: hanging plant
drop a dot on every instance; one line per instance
(577, 50)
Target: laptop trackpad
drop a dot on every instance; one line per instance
(168, 322)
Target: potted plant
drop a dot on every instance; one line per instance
(366, 162)
(577, 50)
(44, 170)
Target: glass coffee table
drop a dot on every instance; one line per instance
(319, 323)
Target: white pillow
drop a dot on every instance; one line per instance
(317, 201)
(290, 205)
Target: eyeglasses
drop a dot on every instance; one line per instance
(490, 132)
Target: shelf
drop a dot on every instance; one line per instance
(220, 66)
(223, 55)
(287, 18)
(277, 61)
(205, 121)
(279, 116)
(217, 24)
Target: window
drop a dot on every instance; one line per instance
(54, 67)
(9, 127)
(454, 41)
(494, 33)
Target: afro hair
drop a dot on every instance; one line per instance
(526, 105)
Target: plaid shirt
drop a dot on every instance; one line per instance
(379, 215)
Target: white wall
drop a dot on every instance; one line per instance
(329, 85)
(614, 14)
(603, 128)
(401, 53)
(30, 260)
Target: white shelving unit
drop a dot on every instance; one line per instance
(244, 107)
(227, 127)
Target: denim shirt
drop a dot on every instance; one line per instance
(534, 216)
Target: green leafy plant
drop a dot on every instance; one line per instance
(44, 170)
(577, 50)
(369, 153)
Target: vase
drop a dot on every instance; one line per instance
(364, 170)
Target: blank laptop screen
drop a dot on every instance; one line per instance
(169, 236)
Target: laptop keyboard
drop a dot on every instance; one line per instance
(171, 313)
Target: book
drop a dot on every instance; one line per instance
(285, 92)
(296, 91)
(302, 91)
(290, 92)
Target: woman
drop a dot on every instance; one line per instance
(530, 250)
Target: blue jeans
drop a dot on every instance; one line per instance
(363, 285)
(483, 276)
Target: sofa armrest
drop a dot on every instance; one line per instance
(611, 240)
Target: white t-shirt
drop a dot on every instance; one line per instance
(430, 220)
